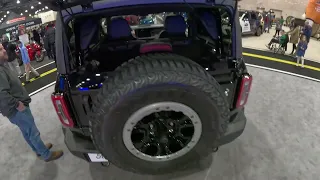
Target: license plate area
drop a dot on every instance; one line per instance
(96, 157)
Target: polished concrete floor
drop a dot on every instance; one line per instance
(281, 140)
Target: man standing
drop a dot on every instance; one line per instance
(14, 104)
(50, 37)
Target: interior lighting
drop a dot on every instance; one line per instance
(8, 12)
(18, 2)
(46, 7)
(39, 2)
(32, 7)
(26, 10)
(5, 16)
(21, 14)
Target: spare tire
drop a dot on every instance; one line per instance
(157, 114)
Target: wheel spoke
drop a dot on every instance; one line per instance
(167, 149)
(159, 150)
(183, 119)
(178, 141)
(157, 115)
(182, 137)
(186, 126)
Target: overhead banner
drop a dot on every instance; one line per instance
(16, 20)
(25, 24)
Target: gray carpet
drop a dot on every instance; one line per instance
(281, 140)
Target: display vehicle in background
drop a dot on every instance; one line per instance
(251, 22)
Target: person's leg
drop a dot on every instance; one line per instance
(17, 67)
(302, 62)
(25, 121)
(34, 71)
(285, 47)
(298, 60)
(53, 50)
(293, 48)
(27, 70)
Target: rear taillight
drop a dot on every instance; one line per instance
(62, 110)
(244, 90)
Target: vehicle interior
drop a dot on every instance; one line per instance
(101, 43)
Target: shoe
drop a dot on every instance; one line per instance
(54, 156)
(49, 146)
(27, 82)
(37, 76)
(302, 66)
(267, 46)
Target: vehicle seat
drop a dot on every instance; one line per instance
(120, 45)
(213, 26)
(175, 26)
(119, 29)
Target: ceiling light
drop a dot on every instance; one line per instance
(1, 19)
(18, 2)
(8, 12)
(46, 7)
(42, 9)
(26, 10)
(39, 2)
(29, 14)
(21, 14)
(5, 16)
(32, 7)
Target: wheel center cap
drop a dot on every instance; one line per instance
(164, 139)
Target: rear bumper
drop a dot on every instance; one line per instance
(77, 145)
(236, 127)
(80, 146)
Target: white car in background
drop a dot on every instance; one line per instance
(251, 22)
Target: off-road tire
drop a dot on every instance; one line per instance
(157, 78)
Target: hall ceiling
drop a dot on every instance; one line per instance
(20, 7)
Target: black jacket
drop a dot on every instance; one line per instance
(50, 35)
(11, 51)
(11, 92)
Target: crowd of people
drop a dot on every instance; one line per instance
(43, 35)
(299, 37)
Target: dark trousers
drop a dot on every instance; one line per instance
(277, 32)
(294, 47)
(52, 51)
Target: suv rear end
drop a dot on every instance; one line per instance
(176, 99)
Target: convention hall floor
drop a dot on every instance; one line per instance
(281, 140)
